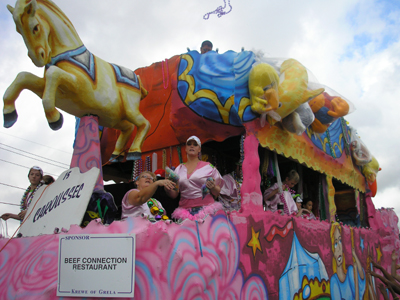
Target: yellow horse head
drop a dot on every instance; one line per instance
(34, 22)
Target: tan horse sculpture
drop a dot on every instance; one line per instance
(74, 80)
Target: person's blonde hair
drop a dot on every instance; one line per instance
(293, 175)
(332, 235)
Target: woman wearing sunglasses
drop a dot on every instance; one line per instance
(199, 184)
(139, 201)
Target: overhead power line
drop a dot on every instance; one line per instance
(9, 203)
(24, 166)
(34, 154)
(33, 158)
(35, 142)
(12, 186)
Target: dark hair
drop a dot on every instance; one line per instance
(47, 179)
(305, 202)
(207, 43)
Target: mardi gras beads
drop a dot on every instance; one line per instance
(157, 212)
(148, 163)
(164, 158)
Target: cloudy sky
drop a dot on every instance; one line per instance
(351, 46)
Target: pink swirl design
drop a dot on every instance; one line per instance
(254, 289)
(192, 273)
(87, 148)
(31, 266)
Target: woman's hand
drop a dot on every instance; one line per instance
(214, 189)
(167, 184)
(22, 214)
(210, 184)
(302, 211)
(7, 216)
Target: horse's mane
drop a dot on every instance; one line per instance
(57, 11)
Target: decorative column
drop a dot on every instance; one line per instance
(331, 198)
(87, 148)
(251, 191)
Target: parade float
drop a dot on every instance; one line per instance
(265, 113)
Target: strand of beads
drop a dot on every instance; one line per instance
(346, 139)
(286, 188)
(179, 154)
(330, 144)
(238, 182)
(148, 163)
(157, 212)
(135, 171)
(140, 166)
(241, 155)
(285, 208)
(164, 159)
(170, 156)
(24, 201)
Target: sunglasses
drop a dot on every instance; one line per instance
(147, 177)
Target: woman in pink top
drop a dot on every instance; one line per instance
(137, 202)
(272, 195)
(194, 203)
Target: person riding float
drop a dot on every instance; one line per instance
(193, 175)
(138, 201)
(35, 176)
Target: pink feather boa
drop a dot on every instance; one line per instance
(183, 213)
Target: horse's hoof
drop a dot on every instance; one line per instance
(134, 156)
(10, 119)
(57, 124)
(115, 158)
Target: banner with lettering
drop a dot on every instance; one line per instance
(96, 265)
(60, 204)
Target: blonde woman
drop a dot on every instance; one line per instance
(139, 201)
(344, 284)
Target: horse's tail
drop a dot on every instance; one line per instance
(143, 91)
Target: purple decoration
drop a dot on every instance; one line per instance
(219, 11)
(270, 170)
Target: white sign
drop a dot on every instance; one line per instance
(61, 204)
(96, 265)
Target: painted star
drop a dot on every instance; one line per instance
(254, 241)
(362, 244)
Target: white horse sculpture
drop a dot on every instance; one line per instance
(74, 80)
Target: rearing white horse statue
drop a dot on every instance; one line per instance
(74, 80)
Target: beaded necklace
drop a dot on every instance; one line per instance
(287, 189)
(238, 182)
(157, 212)
(282, 198)
(25, 200)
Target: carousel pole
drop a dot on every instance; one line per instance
(87, 152)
